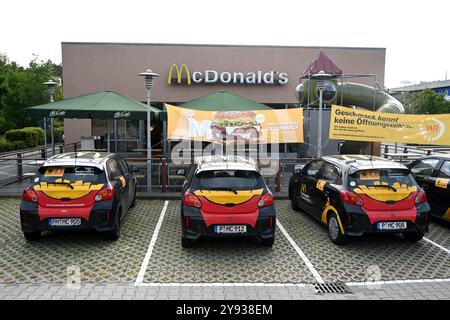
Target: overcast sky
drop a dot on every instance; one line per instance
(415, 33)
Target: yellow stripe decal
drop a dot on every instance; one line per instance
(325, 211)
(224, 197)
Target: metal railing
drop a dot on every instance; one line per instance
(20, 170)
(20, 165)
(276, 173)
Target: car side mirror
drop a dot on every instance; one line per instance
(181, 172)
(134, 169)
(299, 169)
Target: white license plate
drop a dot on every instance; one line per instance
(391, 225)
(64, 222)
(230, 229)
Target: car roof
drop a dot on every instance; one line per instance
(85, 158)
(207, 163)
(364, 162)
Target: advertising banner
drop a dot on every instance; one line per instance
(246, 126)
(361, 125)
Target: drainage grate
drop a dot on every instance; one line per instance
(322, 288)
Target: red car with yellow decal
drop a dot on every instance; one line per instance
(358, 194)
(225, 197)
(83, 190)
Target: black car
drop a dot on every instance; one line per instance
(433, 175)
(226, 197)
(358, 194)
(83, 190)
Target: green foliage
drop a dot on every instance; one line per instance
(19, 145)
(58, 133)
(426, 102)
(30, 136)
(6, 146)
(21, 88)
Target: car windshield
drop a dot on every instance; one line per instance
(228, 180)
(381, 177)
(64, 174)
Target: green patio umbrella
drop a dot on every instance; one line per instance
(223, 101)
(98, 105)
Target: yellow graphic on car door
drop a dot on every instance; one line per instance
(441, 183)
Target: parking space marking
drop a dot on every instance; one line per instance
(221, 284)
(436, 245)
(375, 283)
(141, 274)
(299, 251)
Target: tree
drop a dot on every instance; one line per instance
(21, 88)
(426, 102)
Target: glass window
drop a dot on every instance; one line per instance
(381, 178)
(445, 170)
(113, 168)
(123, 165)
(85, 174)
(329, 172)
(424, 167)
(228, 179)
(313, 168)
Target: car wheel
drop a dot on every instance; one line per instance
(334, 231)
(187, 243)
(413, 236)
(294, 203)
(133, 202)
(114, 234)
(268, 242)
(32, 236)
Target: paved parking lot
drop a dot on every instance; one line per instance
(149, 257)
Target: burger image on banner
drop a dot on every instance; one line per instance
(236, 126)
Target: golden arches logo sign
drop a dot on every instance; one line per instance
(179, 74)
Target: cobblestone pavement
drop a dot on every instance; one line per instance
(217, 269)
(126, 291)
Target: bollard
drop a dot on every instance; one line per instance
(43, 153)
(386, 150)
(19, 167)
(278, 179)
(164, 175)
(405, 150)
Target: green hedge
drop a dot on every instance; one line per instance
(19, 145)
(7, 146)
(58, 133)
(31, 136)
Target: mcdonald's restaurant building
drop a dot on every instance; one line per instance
(267, 74)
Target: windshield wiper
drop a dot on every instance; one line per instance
(385, 186)
(63, 183)
(224, 189)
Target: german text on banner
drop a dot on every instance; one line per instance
(362, 125)
(246, 126)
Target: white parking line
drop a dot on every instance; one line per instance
(375, 283)
(285, 284)
(141, 274)
(221, 284)
(437, 245)
(301, 254)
